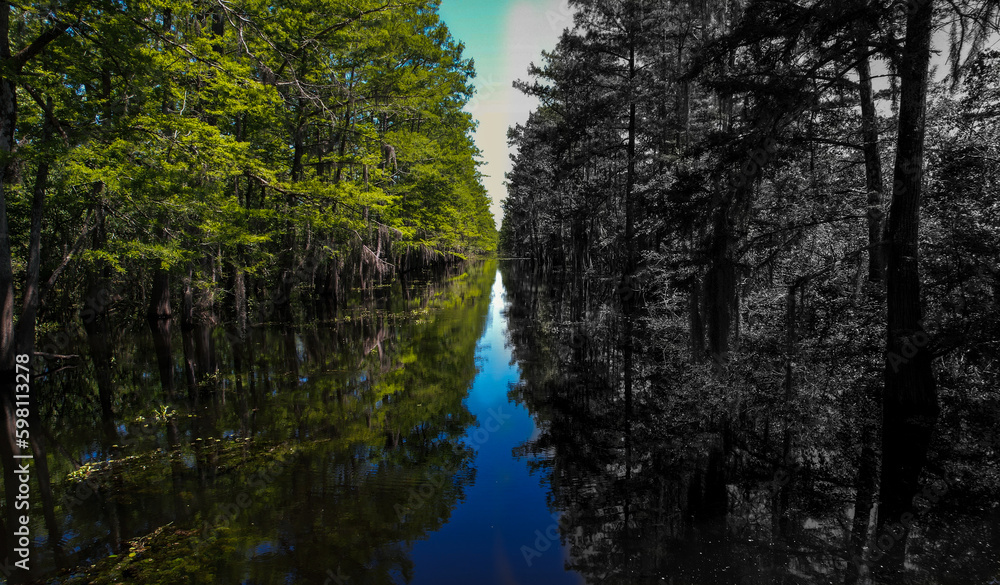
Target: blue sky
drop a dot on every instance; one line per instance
(503, 37)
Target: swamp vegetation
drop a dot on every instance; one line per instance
(249, 251)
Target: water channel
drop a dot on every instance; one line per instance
(466, 428)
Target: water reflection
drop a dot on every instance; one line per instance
(289, 455)
(504, 531)
(670, 473)
(477, 427)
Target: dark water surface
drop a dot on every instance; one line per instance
(376, 447)
(477, 428)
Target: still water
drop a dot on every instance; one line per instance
(482, 426)
(503, 532)
(376, 446)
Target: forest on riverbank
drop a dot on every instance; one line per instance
(797, 225)
(220, 163)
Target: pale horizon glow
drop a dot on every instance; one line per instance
(502, 55)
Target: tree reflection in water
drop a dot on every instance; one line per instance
(288, 454)
(668, 472)
(293, 455)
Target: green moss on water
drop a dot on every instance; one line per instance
(167, 556)
(142, 472)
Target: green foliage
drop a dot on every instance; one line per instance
(210, 139)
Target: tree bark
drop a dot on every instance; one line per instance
(160, 329)
(348, 123)
(187, 301)
(8, 119)
(25, 337)
(873, 173)
(240, 300)
(696, 327)
(720, 287)
(630, 243)
(159, 302)
(909, 402)
(96, 324)
(11, 64)
(864, 492)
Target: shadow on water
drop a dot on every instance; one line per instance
(668, 472)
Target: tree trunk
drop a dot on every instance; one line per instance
(909, 402)
(159, 301)
(864, 498)
(348, 123)
(95, 322)
(10, 65)
(8, 119)
(190, 370)
(240, 300)
(160, 328)
(790, 321)
(205, 292)
(696, 327)
(720, 288)
(41, 462)
(25, 336)
(187, 301)
(630, 243)
(873, 173)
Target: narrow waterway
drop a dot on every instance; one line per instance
(372, 444)
(479, 426)
(503, 532)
